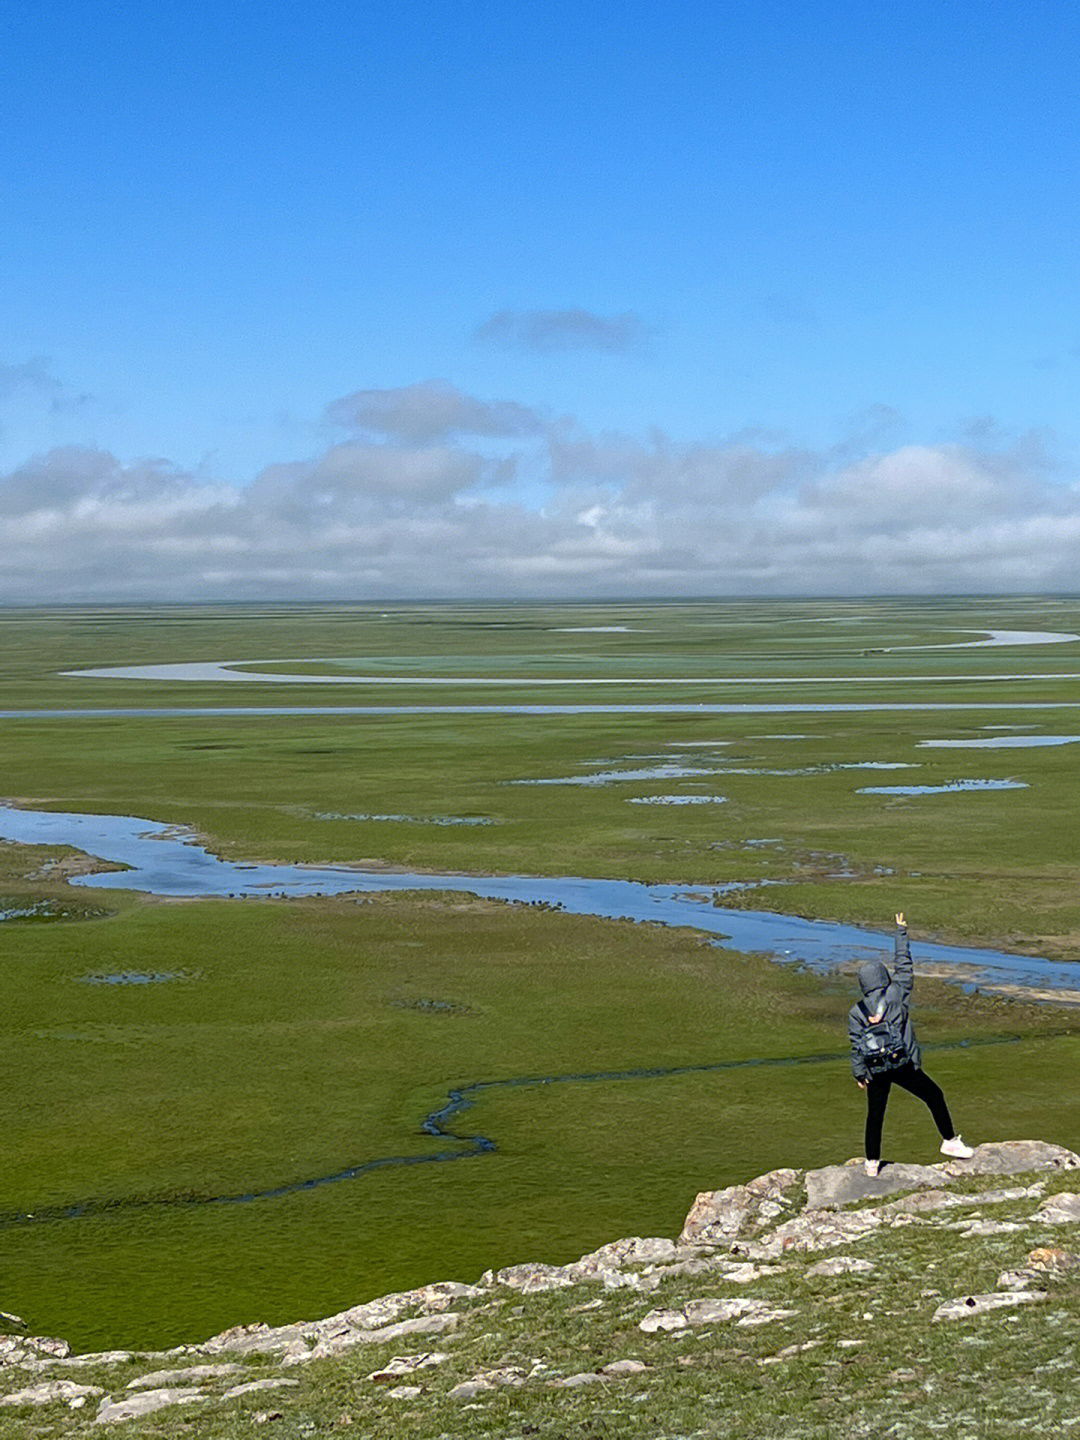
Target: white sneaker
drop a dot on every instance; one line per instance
(956, 1148)
(873, 1168)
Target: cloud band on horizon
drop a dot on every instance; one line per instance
(436, 493)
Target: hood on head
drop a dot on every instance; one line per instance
(873, 976)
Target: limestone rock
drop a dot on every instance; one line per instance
(157, 1378)
(1001, 1197)
(1062, 1209)
(923, 1202)
(789, 1351)
(986, 1227)
(1012, 1157)
(1022, 1280)
(571, 1382)
(662, 1320)
(445, 1291)
(405, 1392)
(623, 1367)
(346, 1338)
(18, 1349)
(836, 1185)
(766, 1316)
(698, 1265)
(250, 1387)
(607, 1264)
(133, 1407)
(709, 1312)
(744, 1272)
(1043, 1267)
(841, 1265)
(399, 1365)
(255, 1339)
(1055, 1261)
(530, 1279)
(720, 1215)
(491, 1379)
(713, 1311)
(301, 1338)
(980, 1304)
(97, 1357)
(817, 1230)
(49, 1392)
(468, 1388)
(636, 1250)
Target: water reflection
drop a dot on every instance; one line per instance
(1001, 742)
(945, 789)
(164, 860)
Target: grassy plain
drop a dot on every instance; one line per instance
(300, 1038)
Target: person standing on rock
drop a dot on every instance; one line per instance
(884, 1051)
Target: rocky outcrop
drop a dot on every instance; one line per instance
(1063, 1209)
(733, 1239)
(187, 1375)
(742, 1309)
(145, 1403)
(719, 1215)
(969, 1305)
(837, 1185)
(841, 1265)
(49, 1392)
(606, 1265)
(399, 1365)
(375, 1321)
(1012, 1157)
(23, 1349)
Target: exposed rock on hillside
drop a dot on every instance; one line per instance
(945, 1247)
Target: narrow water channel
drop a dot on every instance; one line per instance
(166, 860)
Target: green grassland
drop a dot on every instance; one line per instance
(299, 1038)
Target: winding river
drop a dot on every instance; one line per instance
(165, 859)
(214, 671)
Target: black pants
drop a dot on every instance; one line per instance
(916, 1083)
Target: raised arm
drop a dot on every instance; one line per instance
(903, 975)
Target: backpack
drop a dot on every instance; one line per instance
(881, 1045)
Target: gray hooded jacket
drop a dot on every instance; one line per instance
(887, 994)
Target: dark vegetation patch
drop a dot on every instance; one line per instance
(36, 909)
(425, 1005)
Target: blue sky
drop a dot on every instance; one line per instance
(718, 235)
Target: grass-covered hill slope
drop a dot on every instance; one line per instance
(934, 1300)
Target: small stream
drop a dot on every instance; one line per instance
(437, 1125)
(167, 860)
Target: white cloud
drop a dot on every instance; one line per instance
(33, 379)
(426, 513)
(546, 331)
(34, 376)
(432, 410)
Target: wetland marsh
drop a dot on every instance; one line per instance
(237, 1048)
